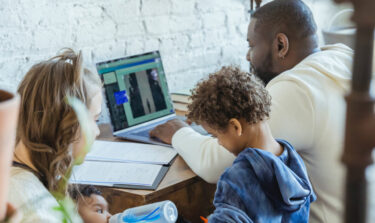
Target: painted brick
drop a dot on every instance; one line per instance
(195, 37)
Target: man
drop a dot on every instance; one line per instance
(307, 85)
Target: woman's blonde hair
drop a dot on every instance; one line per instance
(47, 125)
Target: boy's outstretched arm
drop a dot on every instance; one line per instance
(203, 154)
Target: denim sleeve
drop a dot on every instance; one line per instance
(226, 213)
(229, 204)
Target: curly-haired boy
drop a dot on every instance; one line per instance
(268, 181)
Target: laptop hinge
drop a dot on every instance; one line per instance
(145, 124)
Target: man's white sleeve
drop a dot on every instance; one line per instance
(203, 154)
(292, 114)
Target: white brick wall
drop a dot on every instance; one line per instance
(195, 37)
(192, 35)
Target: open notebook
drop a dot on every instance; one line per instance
(130, 153)
(123, 175)
(124, 164)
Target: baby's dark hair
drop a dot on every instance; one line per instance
(77, 191)
(229, 93)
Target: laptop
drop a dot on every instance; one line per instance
(137, 96)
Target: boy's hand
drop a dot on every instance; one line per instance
(166, 131)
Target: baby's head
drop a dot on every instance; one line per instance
(229, 103)
(92, 206)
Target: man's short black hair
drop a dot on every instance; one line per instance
(77, 191)
(291, 17)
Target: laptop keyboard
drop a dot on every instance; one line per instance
(144, 133)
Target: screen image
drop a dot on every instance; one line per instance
(148, 100)
(136, 89)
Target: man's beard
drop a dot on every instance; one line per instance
(264, 72)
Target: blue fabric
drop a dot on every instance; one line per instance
(261, 187)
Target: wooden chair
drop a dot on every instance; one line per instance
(360, 116)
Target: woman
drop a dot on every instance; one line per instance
(48, 136)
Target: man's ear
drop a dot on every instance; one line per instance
(235, 125)
(281, 45)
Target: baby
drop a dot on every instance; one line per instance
(92, 206)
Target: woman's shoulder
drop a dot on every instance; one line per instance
(25, 184)
(21, 174)
(29, 195)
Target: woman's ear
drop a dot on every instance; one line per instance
(236, 126)
(281, 45)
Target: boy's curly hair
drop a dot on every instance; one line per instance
(229, 93)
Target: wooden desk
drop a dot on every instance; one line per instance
(192, 196)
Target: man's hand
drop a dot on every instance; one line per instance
(166, 131)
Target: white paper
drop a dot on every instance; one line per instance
(130, 152)
(109, 173)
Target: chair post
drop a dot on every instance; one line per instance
(360, 116)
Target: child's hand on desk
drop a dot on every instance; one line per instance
(166, 131)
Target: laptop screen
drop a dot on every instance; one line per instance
(136, 89)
